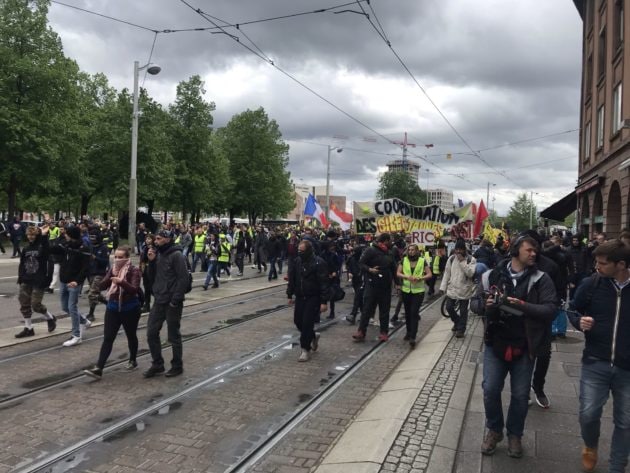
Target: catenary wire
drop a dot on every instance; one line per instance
(135, 25)
(437, 108)
(150, 56)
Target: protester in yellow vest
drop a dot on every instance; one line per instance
(199, 251)
(413, 271)
(224, 256)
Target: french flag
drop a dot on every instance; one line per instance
(313, 209)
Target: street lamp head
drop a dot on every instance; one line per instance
(339, 150)
(154, 70)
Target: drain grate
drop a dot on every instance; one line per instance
(474, 357)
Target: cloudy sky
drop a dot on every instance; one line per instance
(495, 72)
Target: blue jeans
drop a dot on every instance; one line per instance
(198, 257)
(494, 372)
(597, 381)
(212, 273)
(70, 304)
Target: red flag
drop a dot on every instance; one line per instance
(482, 214)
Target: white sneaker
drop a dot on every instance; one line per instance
(304, 356)
(87, 324)
(375, 322)
(72, 342)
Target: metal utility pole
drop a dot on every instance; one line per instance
(531, 208)
(327, 203)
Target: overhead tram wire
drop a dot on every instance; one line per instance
(448, 122)
(150, 56)
(287, 74)
(135, 25)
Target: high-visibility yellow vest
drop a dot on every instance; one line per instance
(237, 237)
(225, 252)
(53, 233)
(436, 265)
(427, 257)
(418, 272)
(200, 242)
(178, 239)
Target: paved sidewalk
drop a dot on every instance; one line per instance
(428, 417)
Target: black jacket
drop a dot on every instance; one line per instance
(33, 268)
(374, 256)
(171, 276)
(99, 264)
(538, 311)
(609, 339)
(309, 279)
(75, 260)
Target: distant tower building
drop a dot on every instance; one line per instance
(443, 198)
(401, 165)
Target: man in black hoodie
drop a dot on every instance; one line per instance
(33, 278)
(169, 289)
(309, 282)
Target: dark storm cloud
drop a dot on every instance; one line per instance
(501, 71)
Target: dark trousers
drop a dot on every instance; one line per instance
(240, 262)
(224, 266)
(16, 247)
(273, 272)
(173, 316)
(113, 320)
(431, 284)
(459, 320)
(398, 307)
(376, 296)
(1, 246)
(412, 304)
(540, 370)
(357, 303)
(304, 315)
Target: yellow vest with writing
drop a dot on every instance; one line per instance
(418, 272)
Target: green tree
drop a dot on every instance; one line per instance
(518, 217)
(37, 85)
(400, 185)
(258, 158)
(201, 175)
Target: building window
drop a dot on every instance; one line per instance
(618, 24)
(600, 127)
(601, 53)
(616, 112)
(587, 142)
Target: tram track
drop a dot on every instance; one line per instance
(186, 315)
(234, 322)
(71, 454)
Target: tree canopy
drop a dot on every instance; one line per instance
(400, 185)
(518, 217)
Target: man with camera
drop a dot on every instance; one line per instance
(519, 303)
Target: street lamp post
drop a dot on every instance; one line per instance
(339, 150)
(133, 183)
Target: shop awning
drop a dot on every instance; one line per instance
(562, 208)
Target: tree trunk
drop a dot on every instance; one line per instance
(12, 195)
(85, 200)
(150, 204)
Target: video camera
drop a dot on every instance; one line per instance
(499, 301)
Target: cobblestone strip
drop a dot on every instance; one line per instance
(414, 446)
